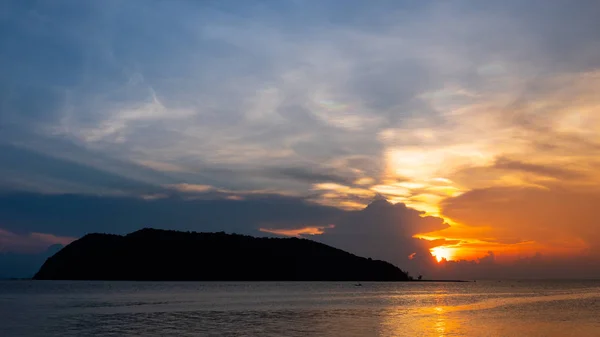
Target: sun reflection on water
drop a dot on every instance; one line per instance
(435, 318)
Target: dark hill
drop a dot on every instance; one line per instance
(151, 254)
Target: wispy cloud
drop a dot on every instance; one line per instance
(424, 104)
(304, 231)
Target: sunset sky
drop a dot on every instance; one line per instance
(478, 120)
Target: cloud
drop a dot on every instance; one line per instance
(27, 170)
(303, 231)
(121, 121)
(443, 108)
(261, 92)
(381, 230)
(159, 166)
(30, 243)
(76, 215)
(314, 175)
(535, 266)
(193, 188)
(543, 170)
(558, 220)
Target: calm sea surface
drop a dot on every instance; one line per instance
(40, 308)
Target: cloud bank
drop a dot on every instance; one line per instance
(483, 115)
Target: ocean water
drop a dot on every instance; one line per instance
(485, 308)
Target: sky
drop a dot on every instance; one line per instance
(454, 139)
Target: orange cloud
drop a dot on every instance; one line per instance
(346, 197)
(558, 220)
(513, 169)
(364, 181)
(192, 188)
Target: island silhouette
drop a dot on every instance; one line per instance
(166, 255)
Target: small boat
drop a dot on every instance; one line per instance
(358, 285)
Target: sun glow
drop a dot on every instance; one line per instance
(441, 253)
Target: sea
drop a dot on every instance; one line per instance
(482, 308)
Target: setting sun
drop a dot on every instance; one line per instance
(441, 253)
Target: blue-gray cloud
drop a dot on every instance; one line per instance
(131, 99)
(76, 215)
(262, 84)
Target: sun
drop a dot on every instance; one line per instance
(441, 253)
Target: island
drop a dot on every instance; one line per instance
(166, 255)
